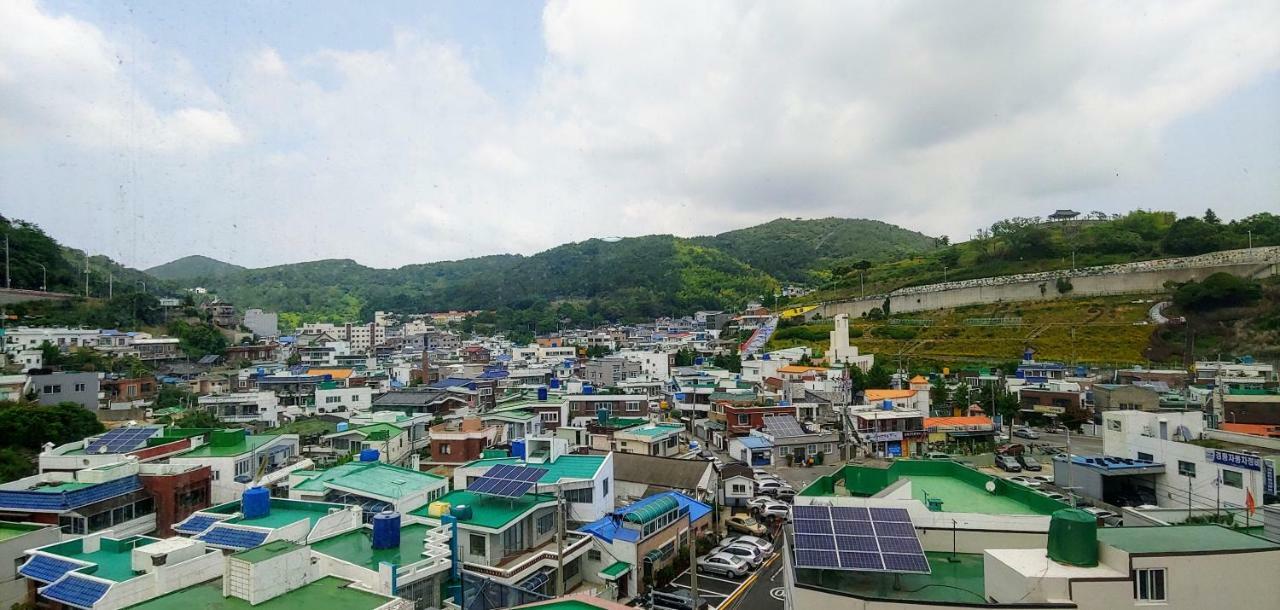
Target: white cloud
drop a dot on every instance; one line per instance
(647, 117)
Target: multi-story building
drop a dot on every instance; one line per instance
(586, 407)
(661, 439)
(15, 539)
(222, 313)
(243, 407)
(644, 537)
(237, 458)
(56, 387)
(890, 433)
(24, 338)
(586, 481)
(609, 371)
(262, 324)
(462, 440)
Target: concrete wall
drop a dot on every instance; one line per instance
(11, 296)
(1128, 278)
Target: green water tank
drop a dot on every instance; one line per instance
(1073, 537)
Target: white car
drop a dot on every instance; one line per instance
(1043, 478)
(770, 486)
(748, 553)
(776, 509)
(759, 502)
(723, 564)
(1027, 481)
(764, 545)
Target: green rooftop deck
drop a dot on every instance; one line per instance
(283, 512)
(489, 512)
(328, 593)
(655, 430)
(566, 467)
(357, 547)
(57, 488)
(248, 444)
(1182, 539)
(961, 489)
(960, 582)
(114, 558)
(10, 529)
(377, 478)
(275, 548)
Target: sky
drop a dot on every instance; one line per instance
(264, 133)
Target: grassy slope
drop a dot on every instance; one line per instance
(1104, 333)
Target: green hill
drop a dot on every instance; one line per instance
(193, 266)
(792, 249)
(37, 260)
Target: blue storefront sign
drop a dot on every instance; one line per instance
(1231, 458)
(1269, 477)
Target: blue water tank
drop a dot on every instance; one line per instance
(369, 455)
(1081, 371)
(784, 403)
(587, 389)
(542, 393)
(886, 405)
(461, 512)
(517, 448)
(555, 383)
(255, 503)
(602, 416)
(386, 530)
(765, 357)
(342, 426)
(328, 377)
(697, 361)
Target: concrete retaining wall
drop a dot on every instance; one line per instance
(11, 296)
(1128, 278)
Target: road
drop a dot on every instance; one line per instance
(1080, 444)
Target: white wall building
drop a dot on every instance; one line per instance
(243, 407)
(841, 352)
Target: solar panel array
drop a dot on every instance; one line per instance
(195, 524)
(783, 426)
(857, 538)
(507, 481)
(76, 591)
(121, 440)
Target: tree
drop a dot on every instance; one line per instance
(198, 418)
(857, 379)
(50, 355)
(1218, 290)
(879, 378)
(15, 464)
(30, 426)
(938, 393)
(1211, 218)
(730, 362)
(960, 397)
(1190, 236)
(685, 357)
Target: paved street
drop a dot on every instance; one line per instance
(1080, 444)
(765, 592)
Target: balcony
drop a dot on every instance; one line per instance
(515, 567)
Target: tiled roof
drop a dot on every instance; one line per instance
(47, 569)
(76, 590)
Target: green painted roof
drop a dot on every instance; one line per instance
(382, 431)
(654, 430)
(565, 467)
(961, 581)
(113, 559)
(1181, 539)
(377, 478)
(652, 510)
(249, 444)
(328, 593)
(565, 604)
(60, 487)
(275, 548)
(10, 529)
(490, 512)
(617, 569)
(286, 512)
(356, 547)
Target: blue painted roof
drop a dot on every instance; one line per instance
(754, 442)
(195, 524)
(41, 501)
(47, 569)
(610, 528)
(452, 382)
(1104, 462)
(232, 538)
(76, 590)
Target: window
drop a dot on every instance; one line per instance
(580, 496)
(1148, 584)
(242, 467)
(633, 405)
(604, 487)
(551, 416)
(743, 420)
(738, 489)
(1115, 425)
(546, 523)
(593, 555)
(1186, 469)
(445, 448)
(1146, 457)
(477, 545)
(1232, 478)
(79, 387)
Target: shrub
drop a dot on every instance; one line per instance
(1064, 285)
(1218, 290)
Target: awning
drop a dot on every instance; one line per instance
(615, 571)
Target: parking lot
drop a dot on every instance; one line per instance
(723, 592)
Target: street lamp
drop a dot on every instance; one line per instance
(44, 278)
(944, 273)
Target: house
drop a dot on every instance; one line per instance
(742, 418)
(236, 458)
(588, 406)
(244, 524)
(243, 407)
(127, 393)
(737, 484)
(637, 476)
(585, 481)
(1109, 397)
(374, 486)
(333, 397)
(390, 442)
(60, 386)
(909, 399)
(105, 571)
(462, 440)
(475, 354)
(960, 431)
(611, 370)
(15, 538)
(515, 423)
(429, 401)
(126, 443)
(659, 439)
(253, 352)
(796, 443)
(644, 537)
(890, 433)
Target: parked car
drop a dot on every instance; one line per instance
(760, 543)
(1027, 462)
(762, 473)
(723, 564)
(1007, 463)
(675, 598)
(1053, 495)
(759, 501)
(745, 525)
(770, 486)
(1025, 481)
(706, 454)
(938, 455)
(1026, 433)
(776, 509)
(786, 494)
(1043, 478)
(1055, 429)
(1100, 513)
(750, 554)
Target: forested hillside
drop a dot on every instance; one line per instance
(192, 267)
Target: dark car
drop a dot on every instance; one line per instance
(1028, 463)
(1007, 463)
(676, 599)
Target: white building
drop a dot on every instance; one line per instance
(26, 338)
(243, 407)
(237, 458)
(339, 400)
(841, 352)
(262, 324)
(655, 365)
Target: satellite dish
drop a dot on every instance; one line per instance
(991, 486)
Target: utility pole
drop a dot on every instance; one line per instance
(8, 283)
(86, 275)
(110, 285)
(44, 278)
(693, 566)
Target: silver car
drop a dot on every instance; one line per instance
(748, 553)
(723, 564)
(765, 546)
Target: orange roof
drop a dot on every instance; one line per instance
(335, 373)
(1268, 430)
(974, 420)
(797, 368)
(889, 394)
(919, 379)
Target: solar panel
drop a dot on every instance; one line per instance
(121, 440)
(857, 539)
(232, 538)
(783, 426)
(507, 481)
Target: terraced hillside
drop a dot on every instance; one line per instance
(1101, 331)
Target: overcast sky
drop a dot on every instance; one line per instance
(271, 132)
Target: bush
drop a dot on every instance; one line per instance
(855, 333)
(900, 333)
(1064, 285)
(1218, 290)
